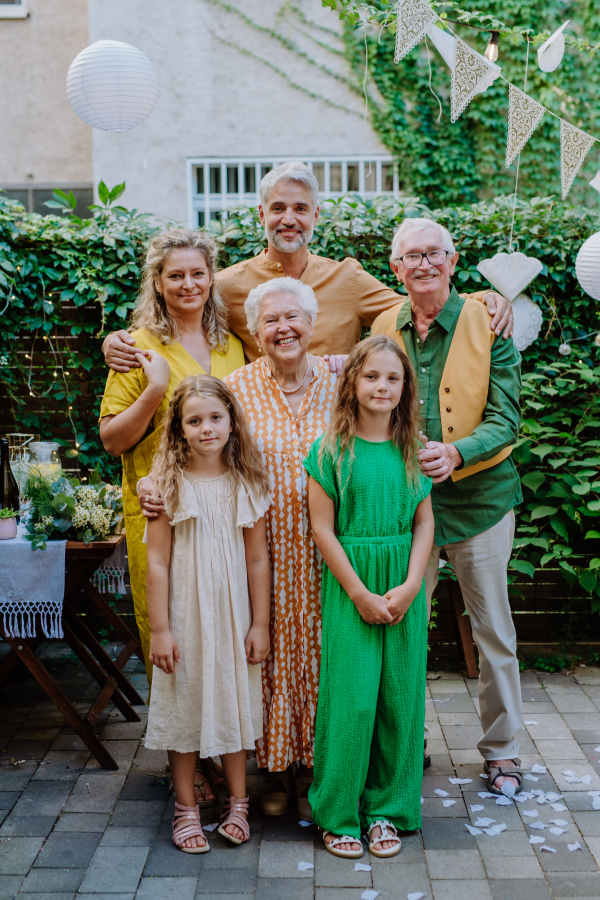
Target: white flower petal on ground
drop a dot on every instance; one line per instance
(447, 803)
(305, 823)
(531, 813)
(538, 825)
(210, 827)
(471, 829)
(539, 770)
(503, 801)
(549, 849)
(496, 829)
(570, 773)
(559, 807)
(418, 895)
(560, 822)
(557, 830)
(460, 780)
(477, 807)
(483, 822)
(304, 866)
(362, 867)
(441, 792)
(530, 722)
(551, 797)
(532, 777)
(485, 794)
(575, 846)
(508, 789)
(369, 895)
(534, 839)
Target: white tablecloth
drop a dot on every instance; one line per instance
(31, 582)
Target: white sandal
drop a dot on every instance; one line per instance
(333, 846)
(384, 836)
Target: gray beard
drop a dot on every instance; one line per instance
(284, 246)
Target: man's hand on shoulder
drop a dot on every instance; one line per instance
(336, 362)
(120, 351)
(501, 311)
(438, 461)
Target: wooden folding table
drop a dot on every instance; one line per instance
(81, 562)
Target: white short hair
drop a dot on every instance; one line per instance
(303, 293)
(290, 171)
(410, 225)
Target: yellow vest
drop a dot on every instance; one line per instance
(466, 377)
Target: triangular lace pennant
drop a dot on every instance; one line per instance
(524, 116)
(471, 74)
(574, 147)
(413, 18)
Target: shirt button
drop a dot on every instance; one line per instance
(450, 428)
(448, 409)
(421, 402)
(418, 340)
(447, 390)
(423, 370)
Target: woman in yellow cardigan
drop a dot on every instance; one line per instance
(180, 328)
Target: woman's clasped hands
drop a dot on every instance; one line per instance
(388, 609)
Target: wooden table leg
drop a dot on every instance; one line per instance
(12, 660)
(110, 666)
(117, 623)
(464, 629)
(61, 701)
(100, 677)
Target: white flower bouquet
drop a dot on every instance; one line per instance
(64, 509)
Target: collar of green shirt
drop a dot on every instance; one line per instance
(446, 317)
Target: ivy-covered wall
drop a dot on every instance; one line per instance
(64, 283)
(460, 162)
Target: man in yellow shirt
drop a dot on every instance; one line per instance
(349, 298)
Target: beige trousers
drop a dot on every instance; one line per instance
(480, 566)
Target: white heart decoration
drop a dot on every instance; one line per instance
(528, 321)
(551, 52)
(510, 273)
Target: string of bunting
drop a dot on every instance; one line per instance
(472, 74)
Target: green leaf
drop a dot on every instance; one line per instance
(533, 480)
(595, 563)
(594, 505)
(587, 580)
(116, 192)
(592, 534)
(581, 489)
(103, 193)
(543, 450)
(523, 566)
(540, 511)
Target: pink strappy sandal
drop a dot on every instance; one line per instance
(232, 809)
(186, 824)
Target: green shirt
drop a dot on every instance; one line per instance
(467, 507)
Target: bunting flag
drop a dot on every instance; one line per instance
(574, 147)
(524, 116)
(471, 74)
(413, 18)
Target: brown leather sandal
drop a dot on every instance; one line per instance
(495, 772)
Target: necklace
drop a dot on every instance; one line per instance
(294, 390)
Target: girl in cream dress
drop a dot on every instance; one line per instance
(208, 588)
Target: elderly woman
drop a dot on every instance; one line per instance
(179, 326)
(287, 396)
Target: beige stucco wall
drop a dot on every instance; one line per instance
(218, 101)
(40, 135)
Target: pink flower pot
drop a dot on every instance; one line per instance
(8, 529)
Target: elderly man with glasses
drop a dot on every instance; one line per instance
(469, 385)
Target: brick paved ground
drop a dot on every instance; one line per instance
(69, 828)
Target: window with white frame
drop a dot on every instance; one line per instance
(216, 184)
(13, 9)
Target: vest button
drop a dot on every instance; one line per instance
(448, 409)
(447, 390)
(450, 428)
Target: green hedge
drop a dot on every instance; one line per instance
(65, 282)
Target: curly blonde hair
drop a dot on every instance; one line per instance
(151, 310)
(404, 420)
(240, 454)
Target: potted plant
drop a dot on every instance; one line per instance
(8, 524)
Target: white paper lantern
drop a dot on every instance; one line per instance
(587, 266)
(112, 86)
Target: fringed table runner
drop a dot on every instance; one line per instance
(109, 577)
(32, 583)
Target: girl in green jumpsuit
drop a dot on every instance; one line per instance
(372, 521)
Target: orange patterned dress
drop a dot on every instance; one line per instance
(291, 672)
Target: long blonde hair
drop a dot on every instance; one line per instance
(151, 310)
(404, 420)
(240, 454)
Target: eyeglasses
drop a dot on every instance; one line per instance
(414, 260)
